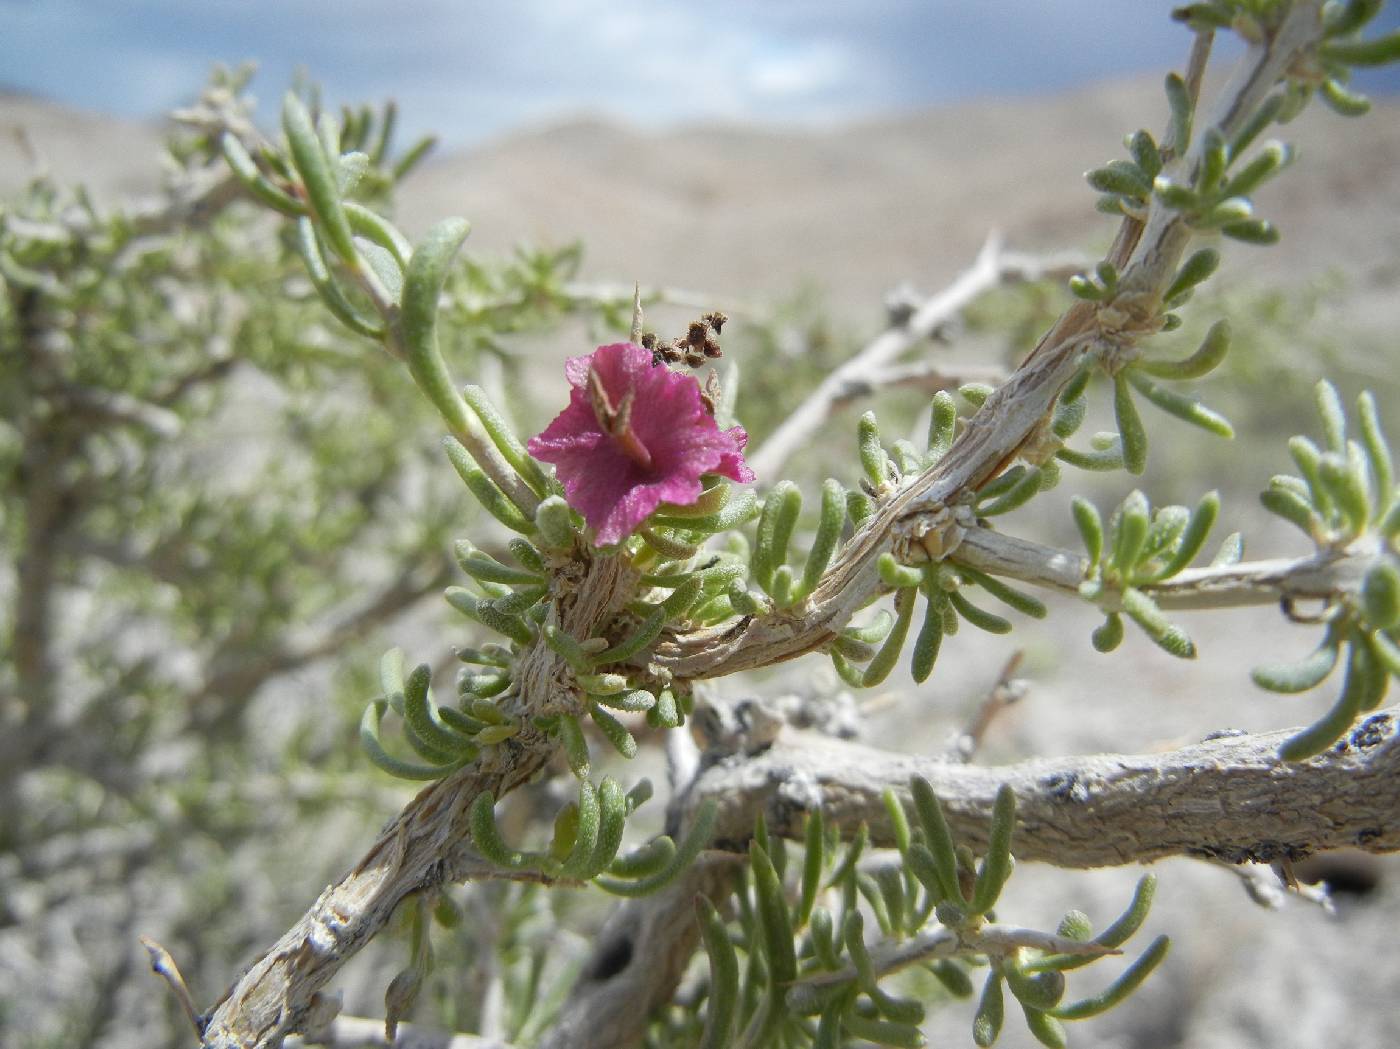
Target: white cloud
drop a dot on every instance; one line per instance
(806, 71)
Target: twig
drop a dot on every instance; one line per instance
(1323, 576)
(1268, 890)
(651, 295)
(1229, 798)
(992, 940)
(992, 267)
(237, 675)
(164, 966)
(1007, 691)
(928, 376)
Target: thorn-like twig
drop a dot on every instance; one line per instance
(1006, 691)
(993, 267)
(163, 965)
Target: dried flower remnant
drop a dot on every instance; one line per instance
(634, 435)
(698, 346)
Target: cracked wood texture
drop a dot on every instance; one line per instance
(1229, 798)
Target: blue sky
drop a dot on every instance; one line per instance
(469, 69)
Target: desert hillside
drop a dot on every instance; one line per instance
(749, 211)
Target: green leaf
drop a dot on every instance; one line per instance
(421, 715)
(1039, 990)
(1377, 51)
(374, 749)
(647, 631)
(1308, 673)
(942, 423)
(1380, 596)
(1090, 525)
(1194, 271)
(1179, 100)
(813, 851)
(1121, 177)
(1343, 19)
(1120, 988)
(423, 282)
(724, 978)
(991, 1012)
(884, 1032)
(980, 618)
(1206, 358)
(1188, 409)
(613, 730)
(696, 839)
(651, 858)
(381, 232)
(1131, 526)
(895, 575)
(555, 522)
(318, 270)
(1109, 634)
(575, 745)
(1027, 485)
(1129, 426)
(254, 181)
(938, 839)
(996, 864)
(859, 506)
(1007, 595)
(1273, 158)
(1167, 636)
(485, 613)
(1193, 537)
(930, 637)
(1332, 414)
(580, 862)
(486, 836)
(774, 919)
(829, 524)
(510, 446)
(1252, 231)
(482, 566)
(879, 668)
(872, 453)
(1145, 153)
(1320, 735)
(1269, 110)
(612, 808)
(318, 176)
(1377, 449)
(413, 155)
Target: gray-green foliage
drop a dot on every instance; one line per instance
(812, 976)
(1345, 498)
(206, 492)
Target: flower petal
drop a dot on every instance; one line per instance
(665, 414)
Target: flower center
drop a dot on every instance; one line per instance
(616, 422)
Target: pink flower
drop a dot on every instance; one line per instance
(634, 435)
